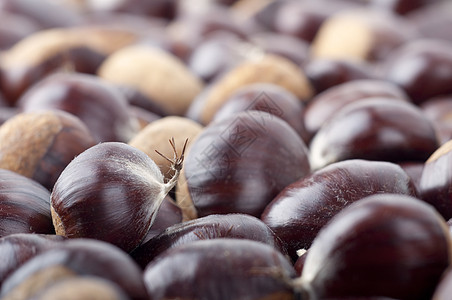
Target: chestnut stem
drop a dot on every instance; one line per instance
(176, 163)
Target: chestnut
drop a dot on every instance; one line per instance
(325, 73)
(220, 269)
(40, 144)
(361, 34)
(239, 164)
(13, 28)
(17, 248)
(73, 259)
(376, 129)
(436, 180)
(81, 49)
(111, 192)
(439, 110)
(421, 67)
(237, 226)
(99, 105)
(157, 74)
(270, 98)
(269, 68)
(156, 134)
(384, 245)
(402, 7)
(302, 209)
(325, 105)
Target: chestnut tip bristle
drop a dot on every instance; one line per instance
(177, 161)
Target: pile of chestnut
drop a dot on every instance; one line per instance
(226, 149)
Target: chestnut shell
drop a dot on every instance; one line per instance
(239, 164)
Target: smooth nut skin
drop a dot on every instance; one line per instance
(433, 21)
(18, 248)
(71, 258)
(326, 73)
(111, 192)
(237, 226)
(402, 7)
(436, 180)
(303, 208)
(40, 144)
(375, 129)
(387, 245)
(323, 106)
(13, 28)
(422, 68)
(99, 105)
(439, 111)
(241, 163)
(220, 269)
(24, 205)
(270, 98)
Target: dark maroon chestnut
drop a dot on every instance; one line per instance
(385, 245)
(24, 205)
(40, 144)
(72, 259)
(270, 98)
(111, 192)
(220, 269)
(324, 105)
(98, 104)
(423, 68)
(241, 163)
(376, 129)
(299, 212)
(16, 249)
(325, 73)
(436, 180)
(237, 226)
(414, 170)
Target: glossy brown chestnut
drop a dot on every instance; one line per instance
(433, 20)
(268, 68)
(24, 205)
(402, 7)
(111, 192)
(421, 67)
(39, 145)
(99, 105)
(376, 129)
(385, 245)
(436, 179)
(236, 226)
(439, 110)
(80, 49)
(16, 249)
(220, 269)
(323, 106)
(326, 73)
(300, 211)
(241, 163)
(71, 259)
(270, 98)
(13, 28)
